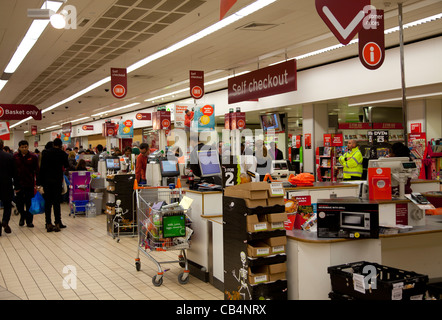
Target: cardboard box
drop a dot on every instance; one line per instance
(275, 189)
(277, 244)
(259, 249)
(276, 220)
(253, 203)
(251, 190)
(258, 275)
(272, 201)
(256, 223)
(277, 271)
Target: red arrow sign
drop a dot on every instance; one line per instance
(343, 17)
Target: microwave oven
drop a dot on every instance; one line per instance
(355, 220)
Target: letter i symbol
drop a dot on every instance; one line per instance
(372, 54)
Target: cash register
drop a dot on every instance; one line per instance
(210, 168)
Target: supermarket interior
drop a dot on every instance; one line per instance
(232, 149)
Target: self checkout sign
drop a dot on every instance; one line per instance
(196, 84)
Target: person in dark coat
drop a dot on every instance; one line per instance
(27, 167)
(51, 179)
(8, 182)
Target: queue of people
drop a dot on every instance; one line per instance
(24, 172)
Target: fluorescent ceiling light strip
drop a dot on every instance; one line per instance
(419, 96)
(3, 84)
(116, 109)
(34, 32)
(81, 119)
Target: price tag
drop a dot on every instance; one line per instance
(276, 189)
(358, 283)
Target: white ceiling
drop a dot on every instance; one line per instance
(118, 33)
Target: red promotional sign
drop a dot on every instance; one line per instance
(337, 140)
(34, 130)
(343, 17)
(372, 40)
(143, 116)
(388, 125)
(119, 82)
(196, 84)
(238, 120)
(109, 129)
(87, 127)
(355, 125)
(416, 127)
(161, 120)
(327, 140)
(269, 81)
(19, 112)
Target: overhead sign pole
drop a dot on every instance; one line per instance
(401, 41)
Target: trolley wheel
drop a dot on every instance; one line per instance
(138, 265)
(183, 278)
(156, 282)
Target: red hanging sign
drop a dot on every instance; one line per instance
(19, 112)
(196, 84)
(372, 40)
(225, 6)
(119, 82)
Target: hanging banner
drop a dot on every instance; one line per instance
(204, 118)
(161, 120)
(19, 112)
(196, 84)
(125, 129)
(66, 137)
(119, 82)
(372, 40)
(344, 18)
(225, 6)
(109, 129)
(89, 127)
(180, 116)
(143, 116)
(269, 81)
(34, 130)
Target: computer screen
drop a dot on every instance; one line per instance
(169, 168)
(270, 121)
(395, 163)
(209, 163)
(113, 163)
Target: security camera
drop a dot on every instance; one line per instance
(107, 90)
(79, 101)
(66, 107)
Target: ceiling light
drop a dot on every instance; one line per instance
(58, 20)
(81, 119)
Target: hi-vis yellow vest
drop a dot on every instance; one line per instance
(353, 165)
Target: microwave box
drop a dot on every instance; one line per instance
(277, 271)
(251, 190)
(347, 219)
(258, 274)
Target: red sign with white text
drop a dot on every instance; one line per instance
(197, 84)
(416, 127)
(119, 82)
(269, 81)
(19, 112)
(372, 40)
(343, 17)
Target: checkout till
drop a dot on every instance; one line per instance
(375, 209)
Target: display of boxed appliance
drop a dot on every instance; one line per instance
(277, 271)
(257, 223)
(258, 249)
(255, 194)
(277, 244)
(253, 203)
(276, 220)
(371, 281)
(271, 201)
(353, 219)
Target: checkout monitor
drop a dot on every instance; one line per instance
(169, 168)
(113, 163)
(209, 163)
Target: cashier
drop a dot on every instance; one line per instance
(352, 161)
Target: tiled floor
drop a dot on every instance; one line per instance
(34, 265)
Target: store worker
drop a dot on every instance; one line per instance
(141, 163)
(8, 182)
(352, 161)
(27, 168)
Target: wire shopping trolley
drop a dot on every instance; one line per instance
(163, 225)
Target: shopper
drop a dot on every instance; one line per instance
(263, 159)
(352, 161)
(135, 149)
(72, 161)
(27, 168)
(51, 179)
(275, 153)
(8, 182)
(81, 166)
(96, 158)
(141, 163)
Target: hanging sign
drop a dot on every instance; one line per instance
(225, 6)
(196, 84)
(88, 127)
(204, 118)
(161, 120)
(19, 112)
(269, 81)
(180, 116)
(4, 131)
(34, 130)
(125, 129)
(143, 116)
(119, 82)
(372, 40)
(343, 17)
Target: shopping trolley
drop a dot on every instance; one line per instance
(163, 225)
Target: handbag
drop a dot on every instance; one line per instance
(64, 188)
(37, 204)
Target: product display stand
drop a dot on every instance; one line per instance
(254, 262)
